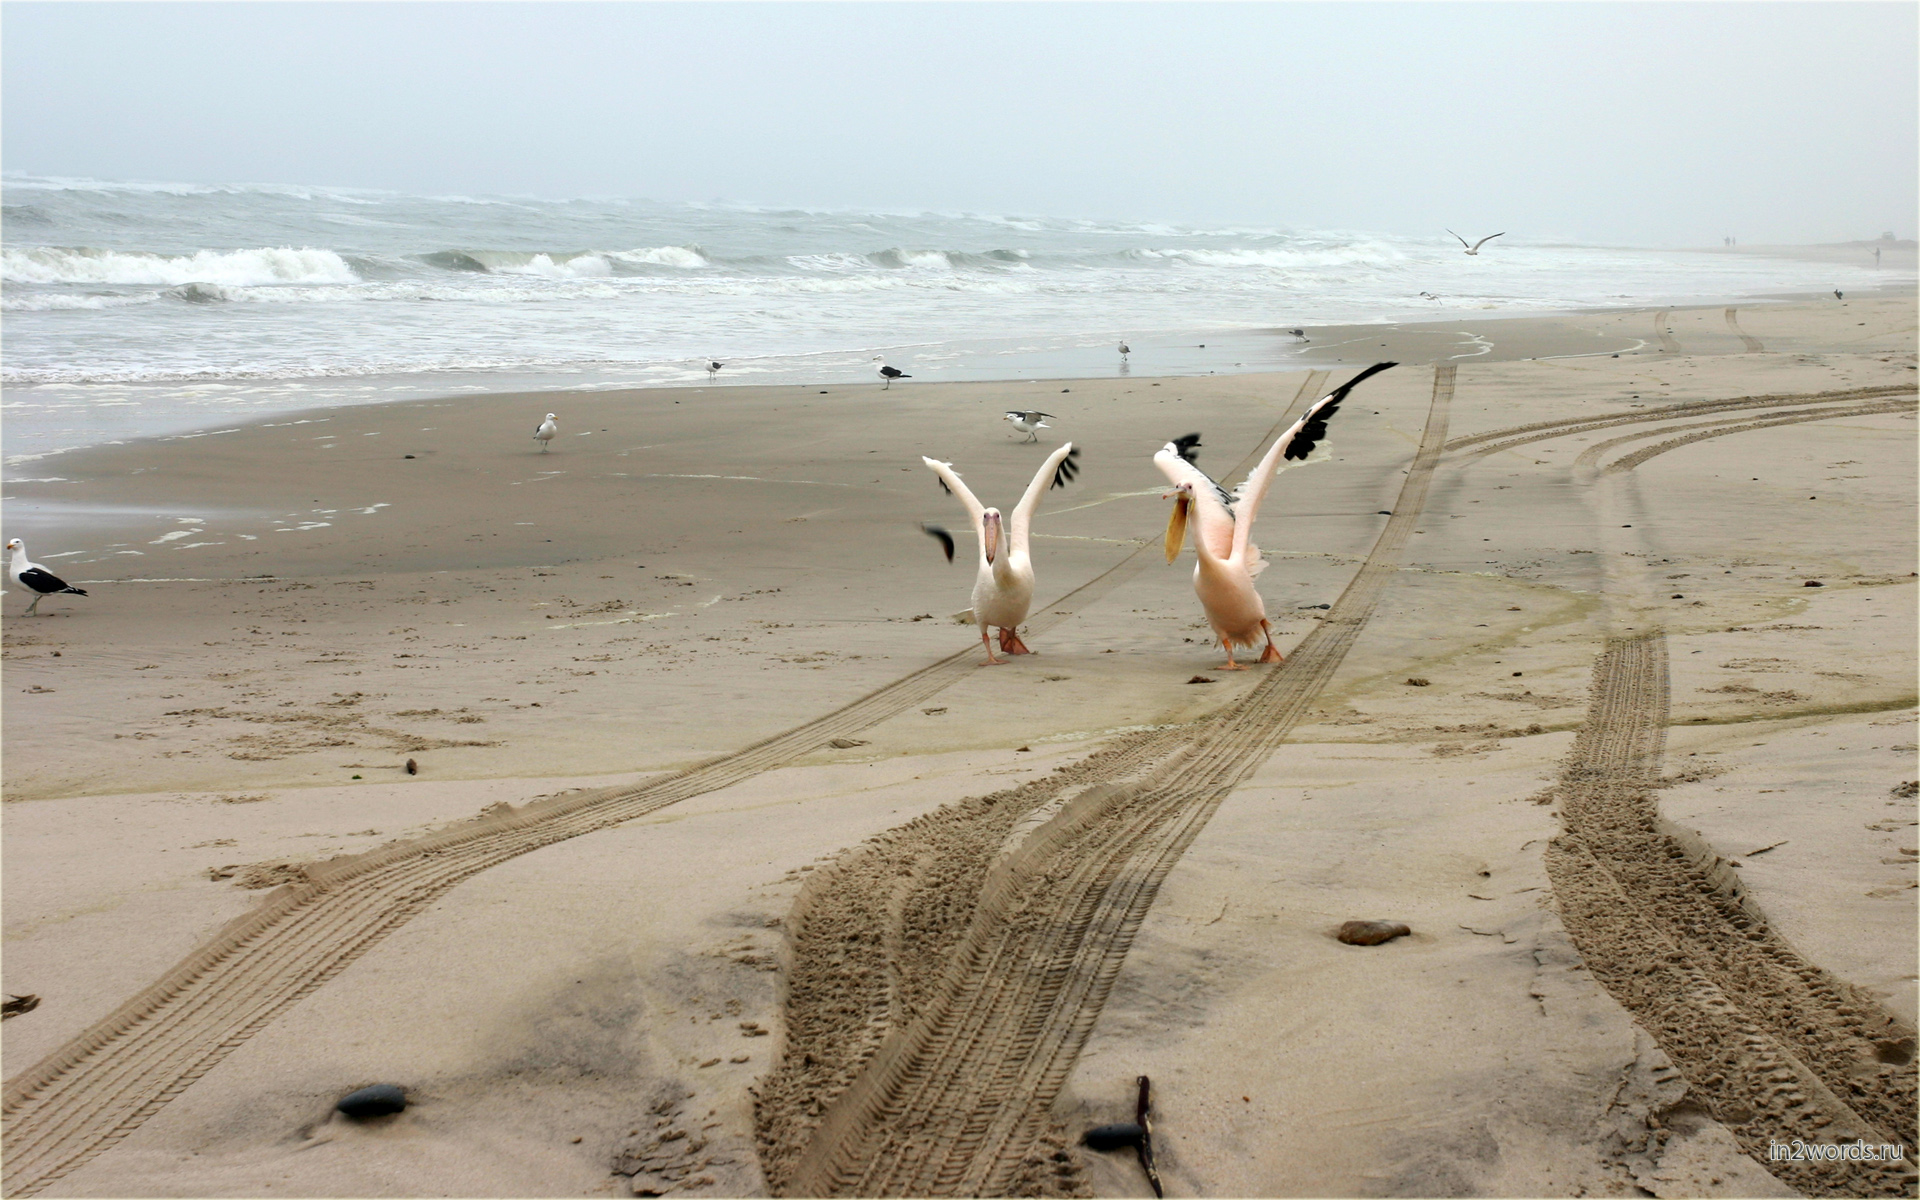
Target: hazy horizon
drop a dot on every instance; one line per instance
(1647, 124)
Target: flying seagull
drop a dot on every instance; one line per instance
(1228, 559)
(890, 373)
(1003, 586)
(545, 433)
(1027, 422)
(1475, 248)
(36, 578)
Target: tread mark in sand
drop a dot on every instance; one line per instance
(104, 1083)
(1713, 429)
(954, 1098)
(1540, 431)
(1752, 344)
(1664, 333)
(1775, 1047)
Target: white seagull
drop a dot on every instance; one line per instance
(1475, 248)
(1125, 349)
(1028, 421)
(890, 373)
(713, 368)
(544, 434)
(1228, 559)
(1003, 587)
(35, 578)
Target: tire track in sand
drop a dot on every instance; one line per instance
(1752, 344)
(1664, 332)
(971, 1042)
(1540, 431)
(1712, 429)
(104, 1084)
(1775, 1047)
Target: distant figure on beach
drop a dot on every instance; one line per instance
(1300, 335)
(1475, 248)
(1029, 421)
(889, 374)
(1838, 295)
(545, 433)
(1227, 559)
(713, 367)
(1003, 586)
(35, 578)
(1126, 349)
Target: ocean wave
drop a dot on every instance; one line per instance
(588, 264)
(57, 302)
(242, 268)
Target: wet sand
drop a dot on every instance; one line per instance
(282, 608)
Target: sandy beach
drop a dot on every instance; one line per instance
(728, 870)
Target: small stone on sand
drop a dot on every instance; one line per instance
(377, 1101)
(1416, 681)
(1371, 933)
(1113, 1137)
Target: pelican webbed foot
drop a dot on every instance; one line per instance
(1010, 642)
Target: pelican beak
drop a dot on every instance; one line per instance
(990, 530)
(1177, 526)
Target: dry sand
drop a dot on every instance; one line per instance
(1019, 888)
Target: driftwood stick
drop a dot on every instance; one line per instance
(1143, 1119)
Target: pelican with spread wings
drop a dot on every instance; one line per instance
(1003, 586)
(1223, 543)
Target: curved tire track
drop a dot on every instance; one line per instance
(1664, 333)
(1752, 344)
(955, 1100)
(1598, 450)
(1776, 1047)
(1630, 461)
(1540, 431)
(104, 1084)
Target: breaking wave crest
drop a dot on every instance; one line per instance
(234, 268)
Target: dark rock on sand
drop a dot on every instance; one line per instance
(1371, 933)
(377, 1101)
(1113, 1137)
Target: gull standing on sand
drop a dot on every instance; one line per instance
(1227, 558)
(1475, 248)
(545, 433)
(1029, 421)
(36, 578)
(890, 373)
(1003, 586)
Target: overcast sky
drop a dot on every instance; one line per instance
(1665, 123)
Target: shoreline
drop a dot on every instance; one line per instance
(677, 580)
(1163, 354)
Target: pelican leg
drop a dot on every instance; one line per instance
(1231, 665)
(1272, 653)
(1010, 642)
(988, 643)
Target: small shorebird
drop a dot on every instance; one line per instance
(1027, 422)
(36, 578)
(1475, 248)
(1300, 334)
(1125, 349)
(889, 373)
(1227, 558)
(545, 433)
(713, 367)
(1838, 295)
(1003, 586)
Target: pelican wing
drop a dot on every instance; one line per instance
(1047, 477)
(1300, 440)
(952, 482)
(1212, 506)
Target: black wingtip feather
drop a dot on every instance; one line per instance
(1068, 468)
(1315, 427)
(1188, 447)
(943, 485)
(940, 535)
